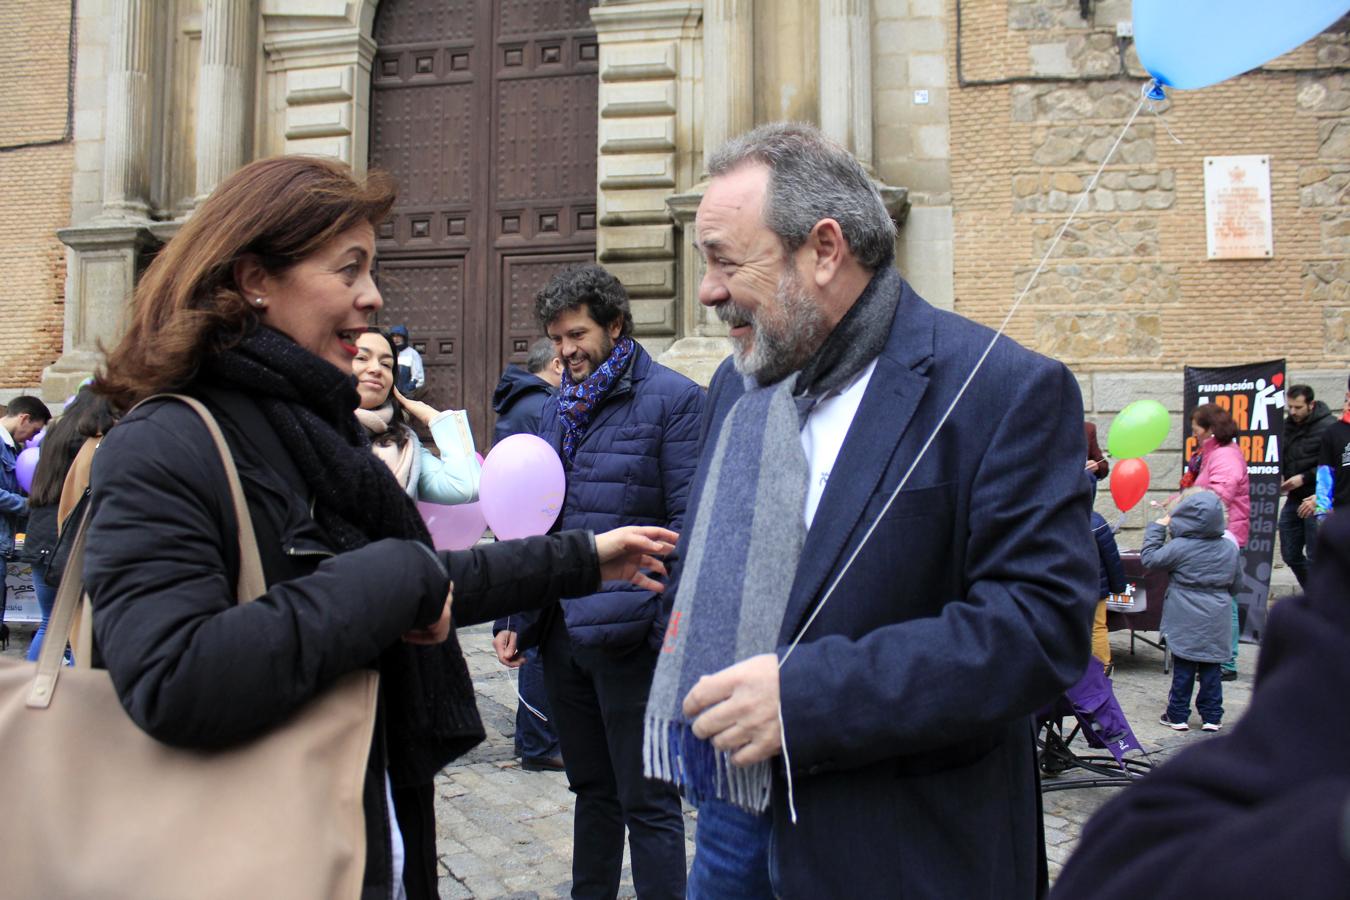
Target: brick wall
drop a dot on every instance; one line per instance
(1130, 287)
(36, 159)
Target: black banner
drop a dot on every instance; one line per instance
(1254, 395)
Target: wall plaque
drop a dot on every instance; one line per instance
(1237, 207)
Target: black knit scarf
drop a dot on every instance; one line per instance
(431, 717)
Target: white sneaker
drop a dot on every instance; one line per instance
(1175, 726)
(1211, 726)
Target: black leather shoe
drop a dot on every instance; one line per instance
(541, 763)
(1229, 675)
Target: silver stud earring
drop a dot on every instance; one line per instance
(258, 301)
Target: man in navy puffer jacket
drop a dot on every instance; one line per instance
(627, 430)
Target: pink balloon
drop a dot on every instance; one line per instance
(453, 527)
(522, 487)
(24, 467)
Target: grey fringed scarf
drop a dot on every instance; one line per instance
(732, 595)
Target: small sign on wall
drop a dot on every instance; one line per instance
(1237, 207)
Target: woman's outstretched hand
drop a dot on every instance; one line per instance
(631, 552)
(422, 412)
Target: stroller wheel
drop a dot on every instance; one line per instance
(1053, 765)
(1056, 756)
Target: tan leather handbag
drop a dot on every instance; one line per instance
(96, 808)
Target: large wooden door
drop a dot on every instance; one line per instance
(485, 111)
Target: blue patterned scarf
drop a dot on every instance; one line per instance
(577, 401)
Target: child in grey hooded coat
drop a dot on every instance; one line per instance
(1205, 570)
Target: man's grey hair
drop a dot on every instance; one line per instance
(542, 353)
(813, 178)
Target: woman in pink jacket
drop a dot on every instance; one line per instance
(1223, 469)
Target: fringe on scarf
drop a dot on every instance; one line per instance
(671, 753)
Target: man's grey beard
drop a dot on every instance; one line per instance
(784, 338)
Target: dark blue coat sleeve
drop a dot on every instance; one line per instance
(1112, 570)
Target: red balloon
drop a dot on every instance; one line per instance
(1129, 482)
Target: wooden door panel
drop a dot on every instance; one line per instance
(546, 138)
(524, 17)
(428, 297)
(485, 111)
(409, 21)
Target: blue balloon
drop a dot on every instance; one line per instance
(1196, 43)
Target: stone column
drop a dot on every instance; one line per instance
(648, 63)
(728, 71)
(126, 141)
(224, 91)
(846, 75)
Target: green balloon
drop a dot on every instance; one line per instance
(1138, 429)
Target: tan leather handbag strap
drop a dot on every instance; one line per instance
(250, 584)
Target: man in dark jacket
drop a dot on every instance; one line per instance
(1304, 422)
(24, 417)
(878, 584)
(521, 394)
(519, 400)
(626, 428)
(1333, 467)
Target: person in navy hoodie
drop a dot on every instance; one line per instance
(519, 401)
(521, 394)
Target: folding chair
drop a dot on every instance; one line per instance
(1102, 724)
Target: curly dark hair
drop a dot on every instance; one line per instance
(1217, 420)
(587, 284)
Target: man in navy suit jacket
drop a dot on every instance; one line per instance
(907, 706)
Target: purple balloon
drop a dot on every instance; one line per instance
(522, 487)
(453, 527)
(456, 527)
(36, 440)
(66, 405)
(24, 467)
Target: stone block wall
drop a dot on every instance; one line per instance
(911, 42)
(1038, 98)
(36, 158)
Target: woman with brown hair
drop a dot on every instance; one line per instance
(255, 308)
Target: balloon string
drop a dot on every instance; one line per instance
(1092, 183)
(1153, 108)
(525, 703)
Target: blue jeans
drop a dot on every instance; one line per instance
(534, 736)
(731, 854)
(1210, 699)
(46, 597)
(1297, 537)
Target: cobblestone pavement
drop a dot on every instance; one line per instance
(507, 833)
